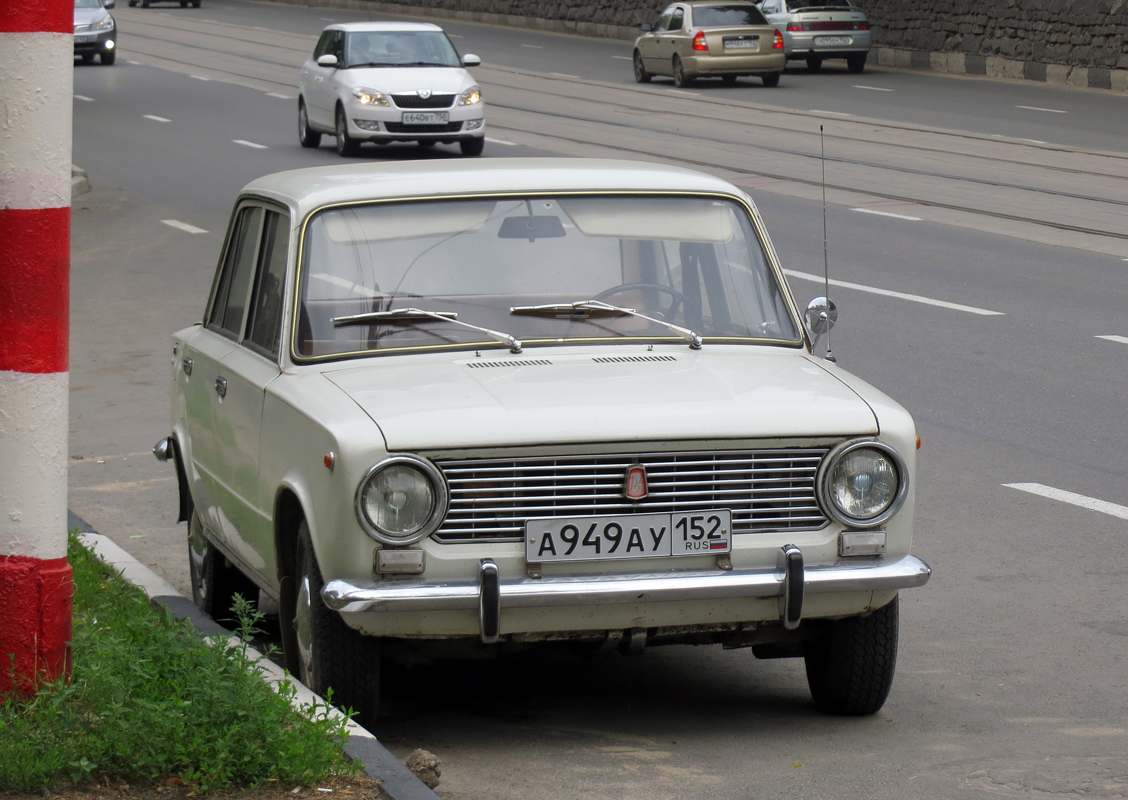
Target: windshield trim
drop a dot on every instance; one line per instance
(492, 344)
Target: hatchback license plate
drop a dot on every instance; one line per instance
(832, 41)
(628, 536)
(85, 38)
(426, 118)
(742, 44)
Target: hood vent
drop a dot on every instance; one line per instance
(533, 362)
(630, 359)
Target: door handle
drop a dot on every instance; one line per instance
(186, 365)
(221, 387)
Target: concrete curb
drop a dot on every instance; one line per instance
(80, 184)
(398, 782)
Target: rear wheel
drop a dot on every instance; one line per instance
(728, 79)
(856, 63)
(814, 63)
(215, 581)
(307, 136)
(680, 78)
(473, 147)
(850, 665)
(771, 79)
(347, 146)
(640, 73)
(330, 653)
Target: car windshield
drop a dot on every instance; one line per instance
(706, 16)
(87, 4)
(637, 267)
(400, 49)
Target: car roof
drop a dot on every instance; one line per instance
(363, 27)
(306, 190)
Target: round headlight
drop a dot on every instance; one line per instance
(863, 484)
(401, 500)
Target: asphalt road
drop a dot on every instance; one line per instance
(987, 296)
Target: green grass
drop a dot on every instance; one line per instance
(149, 699)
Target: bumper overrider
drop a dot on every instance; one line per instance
(788, 582)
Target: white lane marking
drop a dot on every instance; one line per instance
(533, 46)
(501, 141)
(280, 96)
(1091, 503)
(1047, 110)
(683, 92)
(245, 143)
(886, 214)
(199, 78)
(871, 88)
(328, 19)
(564, 75)
(832, 113)
(1015, 138)
(916, 298)
(1121, 339)
(623, 58)
(182, 226)
(456, 36)
(155, 119)
(84, 98)
(134, 63)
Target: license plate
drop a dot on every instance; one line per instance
(86, 38)
(832, 41)
(742, 44)
(628, 536)
(426, 118)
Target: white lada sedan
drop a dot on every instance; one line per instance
(467, 407)
(389, 82)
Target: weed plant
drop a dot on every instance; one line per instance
(149, 698)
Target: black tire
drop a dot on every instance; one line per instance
(856, 63)
(347, 147)
(307, 136)
(426, 143)
(473, 147)
(640, 73)
(144, 3)
(680, 78)
(728, 79)
(88, 58)
(850, 666)
(108, 57)
(184, 3)
(814, 63)
(215, 581)
(330, 653)
(770, 80)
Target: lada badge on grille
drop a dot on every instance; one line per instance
(635, 485)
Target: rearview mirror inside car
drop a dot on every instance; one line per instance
(531, 228)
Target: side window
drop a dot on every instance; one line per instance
(229, 307)
(265, 325)
(323, 44)
(677, 20)
(337, 45)
(663, 22)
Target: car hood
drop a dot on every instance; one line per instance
(88, 16)
(396, 80)
(431, 404)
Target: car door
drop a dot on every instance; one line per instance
(319, 83)
(650, 47)
(246, 525)
(676, 39)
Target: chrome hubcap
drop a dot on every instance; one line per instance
(303, 626)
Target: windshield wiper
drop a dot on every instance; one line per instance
(595, 306)
(419, 315)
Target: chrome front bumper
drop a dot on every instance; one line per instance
(788, 582)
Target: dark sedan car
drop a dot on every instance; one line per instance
(95, 32)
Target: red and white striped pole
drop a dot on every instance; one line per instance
(36, 588)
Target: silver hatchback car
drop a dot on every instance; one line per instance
(814, 30)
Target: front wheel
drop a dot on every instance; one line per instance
(347, 147)
(215, 581)
(680, 78)
(473, 147)
(771, 79)
(307, 136)
(108, 57)
(330, 653)
(856, 63)
(640, 73)
(850, 664)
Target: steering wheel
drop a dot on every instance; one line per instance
(666, 315)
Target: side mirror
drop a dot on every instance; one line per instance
(327, 60)
(471, 60)
(107, 4)
(646, 27)
(821, 314)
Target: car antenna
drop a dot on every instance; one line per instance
(826, 269)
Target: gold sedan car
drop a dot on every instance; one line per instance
(706, 39)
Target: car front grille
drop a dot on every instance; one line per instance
(767, 490)
(399, 127)
(81, 27)
(415, 101)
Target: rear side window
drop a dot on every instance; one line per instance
(725, 16)
(677, 21)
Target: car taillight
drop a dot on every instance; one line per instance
(777, 42)
(863, 26)
(792, 27)
(699, 42)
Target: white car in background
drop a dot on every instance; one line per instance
(815, 30)
(386, 82)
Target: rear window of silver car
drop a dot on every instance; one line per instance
(691, 261)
